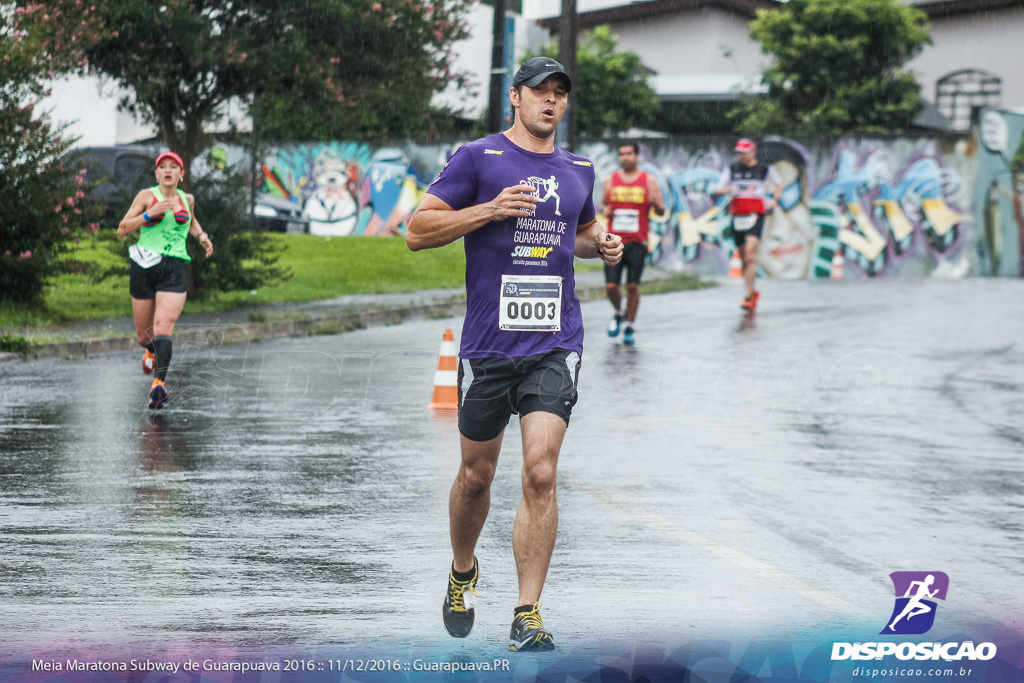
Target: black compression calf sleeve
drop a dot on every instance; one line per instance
(162, 349)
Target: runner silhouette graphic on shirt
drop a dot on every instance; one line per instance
(914, 606)
(549, 185)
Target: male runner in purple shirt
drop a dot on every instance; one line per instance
(525, 208)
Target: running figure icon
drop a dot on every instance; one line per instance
(915, 606)
(549, 185)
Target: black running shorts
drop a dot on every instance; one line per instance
(634, 255)
(491, 390)
(170, 275)
(740, 236)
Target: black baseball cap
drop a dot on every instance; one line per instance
(536, 69)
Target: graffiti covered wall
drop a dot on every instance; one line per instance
(882, 207)
(347, 188)
(999, 192)
(871, 207)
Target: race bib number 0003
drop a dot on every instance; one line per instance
(530, 303)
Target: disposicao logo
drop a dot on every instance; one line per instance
(913, 614)
(916, 593)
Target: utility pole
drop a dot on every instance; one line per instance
(257, 167)
(498, 99)
(567, 56)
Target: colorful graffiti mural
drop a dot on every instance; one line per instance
(875, 206)
(999, 192)
(345, 189)
(900, 206)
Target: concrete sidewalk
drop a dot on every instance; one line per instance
(269, 321)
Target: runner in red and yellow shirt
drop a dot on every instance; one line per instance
(627, 197)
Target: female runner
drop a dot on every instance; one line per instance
(159, 270)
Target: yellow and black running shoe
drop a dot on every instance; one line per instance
(457, 611)
(528, 634)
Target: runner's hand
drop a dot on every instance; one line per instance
(205, 243)
(163, 206)
(609, 247)
(513, 202)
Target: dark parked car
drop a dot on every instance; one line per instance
(280, 215)
(121, 173)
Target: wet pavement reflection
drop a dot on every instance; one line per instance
(730, 473)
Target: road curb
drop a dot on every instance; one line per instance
(243, 332)
(345, 319)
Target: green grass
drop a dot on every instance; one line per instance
(678, 282)
(322, 268)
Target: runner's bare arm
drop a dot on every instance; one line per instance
(435, 224)
(134, 217)
(593, 242)
(606, 189)
(654, 192)
(775, 183)
(196, 230)
(724, 183)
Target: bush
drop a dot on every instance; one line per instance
(43, 200)
(12, 343)
(243, 258)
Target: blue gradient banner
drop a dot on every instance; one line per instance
(697, 661)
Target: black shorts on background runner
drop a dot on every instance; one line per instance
(170, 275)
(634, 255)
(740, 236)
(491, 390)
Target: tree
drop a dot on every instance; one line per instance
(184, 61)
(837, 67)
(612, 90)
(387, 61)
(42, 199)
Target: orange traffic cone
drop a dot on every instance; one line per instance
(837, 265)
(735, 264)
(446, 388)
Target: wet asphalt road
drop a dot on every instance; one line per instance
(757, 475)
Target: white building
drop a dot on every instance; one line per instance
(88, 105)
(701, 49)
(973, 60)
(698, 49)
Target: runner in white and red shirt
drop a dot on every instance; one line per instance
(748, 182)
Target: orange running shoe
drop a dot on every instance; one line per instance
(751, 301)
(148, 362)
(157, 395)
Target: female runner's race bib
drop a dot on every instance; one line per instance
(146, 258)
(530, 303)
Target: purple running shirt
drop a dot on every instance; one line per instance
(520, 288)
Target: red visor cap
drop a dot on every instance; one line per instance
(172, 156)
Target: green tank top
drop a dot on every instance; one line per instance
(168, 236)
